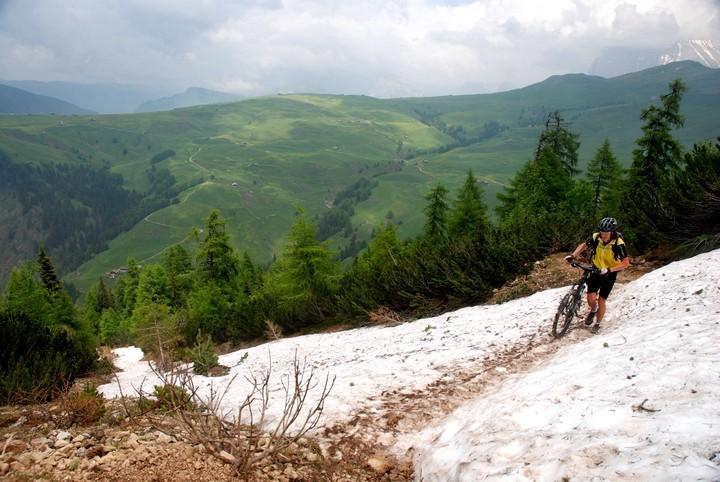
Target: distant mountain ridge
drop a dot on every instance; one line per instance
(190, 98)
(102, 98)
(615, 61)
(18, 101)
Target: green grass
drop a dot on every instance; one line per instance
(261, 159)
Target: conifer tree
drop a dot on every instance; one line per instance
(98, 299)
(531, 207)
(176, 260)
(250, 275)
(127, 287)
(698, 196)
(436, 212)
(178, 267)
(216, 259)
(153, 286)
(48, 274)
(605, 176)
(305, 279)
(468, 216)
(105, 298)
(560, 141)
(377, 274)
(655, 165)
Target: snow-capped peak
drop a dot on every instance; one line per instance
(707, 52)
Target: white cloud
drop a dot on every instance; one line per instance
(383, 48)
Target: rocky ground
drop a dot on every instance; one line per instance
(150, 448)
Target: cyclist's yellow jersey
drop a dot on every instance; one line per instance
(607, 255)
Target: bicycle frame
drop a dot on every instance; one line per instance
(571, 302)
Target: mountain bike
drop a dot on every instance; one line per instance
(571, 302)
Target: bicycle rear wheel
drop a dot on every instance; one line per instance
(566, 312)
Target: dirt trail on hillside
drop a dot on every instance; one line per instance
(381, 438)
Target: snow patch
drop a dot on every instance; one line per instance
(583, 414)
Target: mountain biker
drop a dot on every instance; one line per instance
(609, 255)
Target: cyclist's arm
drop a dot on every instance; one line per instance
(623, 264)
(582, 247)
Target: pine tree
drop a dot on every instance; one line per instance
(216, 259)
(105, 299)
(127, 288)
(560, 141)
(304, 281)
(48, 274)
(377, 274)
(655, 165)
(153, 286)
(698, 197)
(176, 260)
(531, 208)
(98, 299)
(250, 278)
(605, 176)
(436, 212)
(178, 267)
(468, 216)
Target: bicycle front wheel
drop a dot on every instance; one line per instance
(566, 312)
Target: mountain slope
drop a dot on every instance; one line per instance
(538, 409)
(259, 159)
(191, 97)
(17, 101)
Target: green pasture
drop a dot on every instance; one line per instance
(261, 159)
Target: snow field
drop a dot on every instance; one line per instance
(578, 416)
(571, 417)
(368, 361)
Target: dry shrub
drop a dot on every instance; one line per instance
(273, 331)
(384, 315)
(242, 436)
(81, 407)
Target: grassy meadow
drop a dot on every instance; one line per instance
(261, 159)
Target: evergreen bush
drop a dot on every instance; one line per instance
(203, 354)
(37, 362)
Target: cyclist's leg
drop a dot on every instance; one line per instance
(592, 300)
(593, 286)
(601, 309)
(606, 287)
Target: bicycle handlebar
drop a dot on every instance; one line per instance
(585, 267)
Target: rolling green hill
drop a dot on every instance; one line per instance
(259, 160)
(191, 97)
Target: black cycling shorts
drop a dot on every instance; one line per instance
(603, 284)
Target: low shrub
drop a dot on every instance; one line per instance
(203, 355)
(83, 408)
(170, 397)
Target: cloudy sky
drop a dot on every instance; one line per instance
(376, 47)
